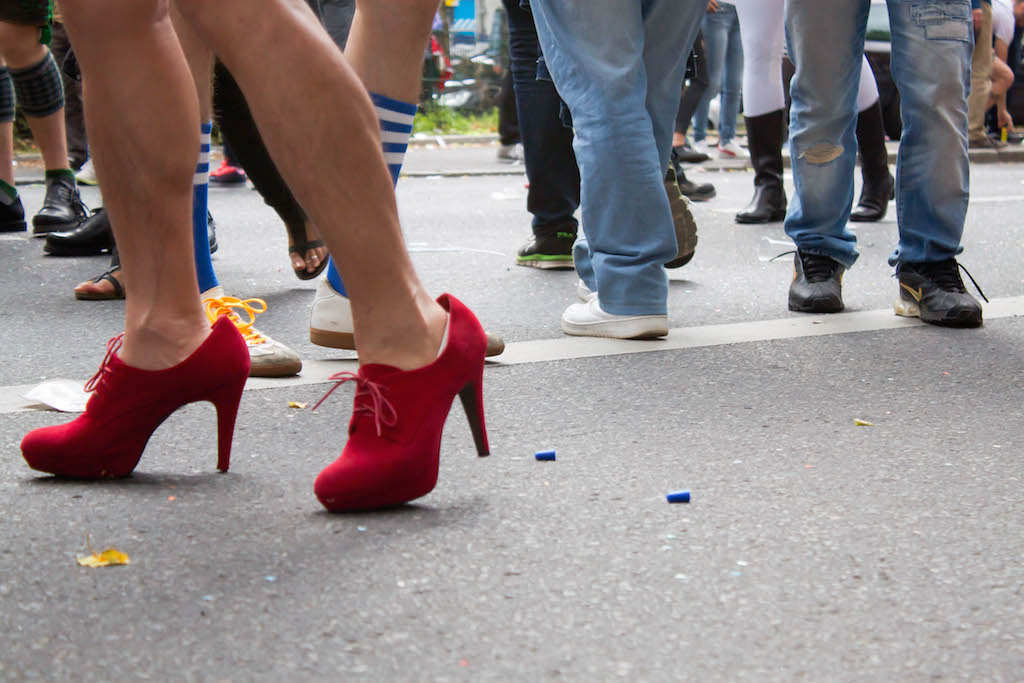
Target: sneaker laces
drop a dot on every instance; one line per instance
(946, 275)
(817, 268)
(225, 306)
(374, 401)
(113, 346)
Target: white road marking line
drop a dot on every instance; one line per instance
(569, 348)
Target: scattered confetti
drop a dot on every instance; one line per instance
(296, 404)
(463, 662)
(270, 579)
(545, 455)
(172, 498)
(360, 528)
(678, 497)
(862, 423)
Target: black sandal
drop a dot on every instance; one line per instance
(115, 266)
(300, 246)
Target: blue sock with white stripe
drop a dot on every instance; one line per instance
(200, 239)
(395, 128)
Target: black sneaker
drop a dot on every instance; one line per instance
(12, 216)
(817, 284)
(935, 293)
(549, 252)
(62, 207)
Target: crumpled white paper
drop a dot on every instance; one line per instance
(64, 395)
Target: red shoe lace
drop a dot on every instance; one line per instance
(379, 406)
(113, 345)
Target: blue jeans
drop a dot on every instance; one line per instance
(724, 54)
(619, 64)
(554, 192)
(932, 43)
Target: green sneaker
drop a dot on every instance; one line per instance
(551, 252)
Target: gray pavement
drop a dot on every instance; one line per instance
(812, 549)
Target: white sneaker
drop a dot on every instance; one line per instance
(731, 150)
(267, 358)
(584, 293)
(589, 320)
(702, 146)
(510, 154)
(330, 319)
(330, 322)
(87, 174)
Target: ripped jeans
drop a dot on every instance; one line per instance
(932, 43)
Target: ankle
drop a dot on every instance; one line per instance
(160, 343)
(411, 343)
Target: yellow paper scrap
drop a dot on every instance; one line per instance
(862, 423)
(108, 558)
(296, 404)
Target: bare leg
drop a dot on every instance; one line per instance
(137, 75)
(319, 149)
(20, 48)
(7, 153)
(385, 46)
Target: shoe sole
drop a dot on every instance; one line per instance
(963, 319)
(706, 197)
(288, 368)
(81, 296)
(820, 307)
(332, 340)
(640, 328)
(347, 341)
(75, 251)
(774, 218)
(546, 265)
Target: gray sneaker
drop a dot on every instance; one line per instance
(268, 358)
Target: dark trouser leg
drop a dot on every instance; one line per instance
(74, 112)
(508, 118)
(695, 89)
(240, 132)
(554, 193)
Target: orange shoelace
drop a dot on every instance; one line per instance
(217, 307)
(377, 405)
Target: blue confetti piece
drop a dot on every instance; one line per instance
(545, 455)
(678, 497)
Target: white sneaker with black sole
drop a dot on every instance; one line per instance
(590, 320)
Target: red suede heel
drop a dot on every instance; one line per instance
(394, 442)
(107, 440)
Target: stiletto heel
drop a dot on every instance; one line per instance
(472, 397)
(394, 443)
(226, 400)
(128, 404)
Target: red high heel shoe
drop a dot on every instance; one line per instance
(107, 440)
(394, 439)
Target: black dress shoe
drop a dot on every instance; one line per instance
(12, 216)
(62, 207)
(92, 236)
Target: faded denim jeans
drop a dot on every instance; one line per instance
(932, 43)
(618, 65)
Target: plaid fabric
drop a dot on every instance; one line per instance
(31, 12)
(39, 89)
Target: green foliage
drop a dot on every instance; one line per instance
(437, 120)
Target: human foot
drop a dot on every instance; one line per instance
(104, 287)
(307, 252)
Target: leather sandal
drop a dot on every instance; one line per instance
(301, 245)
(118, 292)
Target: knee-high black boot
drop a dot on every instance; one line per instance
(879, 186)
(764, 138)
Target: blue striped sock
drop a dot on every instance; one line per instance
(200, 239)
(395, 128)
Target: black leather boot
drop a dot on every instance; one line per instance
(92, 236)
(879, 186)
(764, 140)
(62, 207)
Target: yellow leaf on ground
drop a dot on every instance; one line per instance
(862, 423)
(108, 558)
(296, 404)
